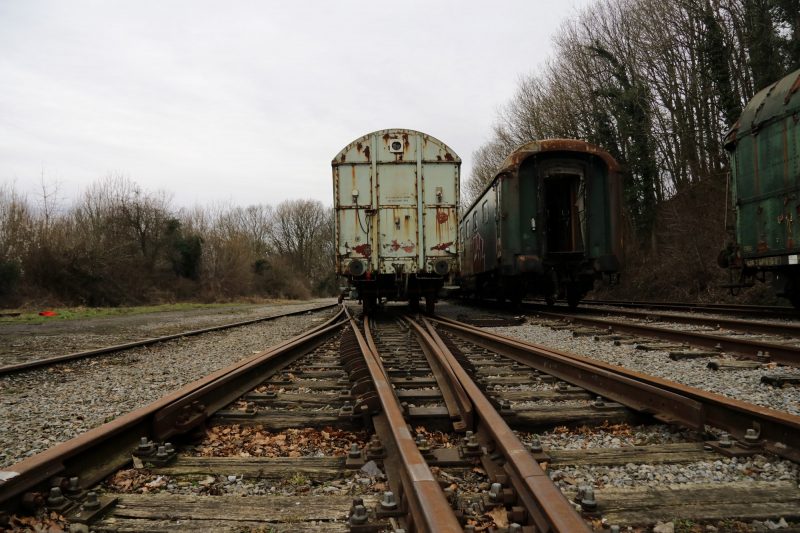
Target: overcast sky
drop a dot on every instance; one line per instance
(248, 102)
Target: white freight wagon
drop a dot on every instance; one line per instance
(396, 196)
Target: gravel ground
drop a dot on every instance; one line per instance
(25, 342)
(42, 407)
(743, 385)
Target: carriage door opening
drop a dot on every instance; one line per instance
(564, 212)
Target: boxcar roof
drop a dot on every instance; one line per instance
(770, 103)
(524, 151)
(521, 153)
(356, 148)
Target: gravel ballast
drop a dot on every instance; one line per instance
(40, 408)
(742, 385)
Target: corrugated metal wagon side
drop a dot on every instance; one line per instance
(396, 195)
(765, 169)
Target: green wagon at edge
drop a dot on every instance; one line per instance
(765, 168)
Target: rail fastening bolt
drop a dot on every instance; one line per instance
(614, 529)
(355, 451)
(145, 446)
(535, 445)
(751, 436)
(588, 502)
(725, 440)
(598, 402)
(92, 502)
(496, 492)
(55, 498)
(514, 528)
(162, 452)
(389, 502)
(169, 447)
(74, 484)
(359, 516)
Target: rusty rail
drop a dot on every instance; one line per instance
(428, 508)
(747, 326)
(100, 451)
(669, 401)
(546, 506)
(455, 397)
(779, 311)
(29, 365)
(789, 355)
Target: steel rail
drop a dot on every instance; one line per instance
(428, 508)
(101, 451)
(747, 326)
(738, 309)
(455, 397)
(781, 353)
(777, 431)
(47, 361)
(546, 505)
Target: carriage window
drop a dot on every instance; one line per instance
(485, 211)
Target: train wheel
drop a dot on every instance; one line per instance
(369, 305)
(430, 304)
(573, 297)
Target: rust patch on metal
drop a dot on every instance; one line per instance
(762, 247)
(442, 246)
(519, 155)
(793, 89)
(448, 156)
(366, 152)
(408, 248)
(342, 158)
(363, 249)
(442, 216)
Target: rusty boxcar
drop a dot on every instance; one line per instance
(548, 224)
(764, 146)
(396, 197)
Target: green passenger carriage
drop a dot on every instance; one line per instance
(548, 224)
(764, 146)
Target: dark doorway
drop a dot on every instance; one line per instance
(562, 203)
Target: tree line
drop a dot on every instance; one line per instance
(654, 82)
(120, 244)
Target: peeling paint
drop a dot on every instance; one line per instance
(363, 249)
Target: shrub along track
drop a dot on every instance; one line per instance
(438, 429)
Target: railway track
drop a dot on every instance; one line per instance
(106, 350)
(745, 310)
(401, 423)
(762, 341)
